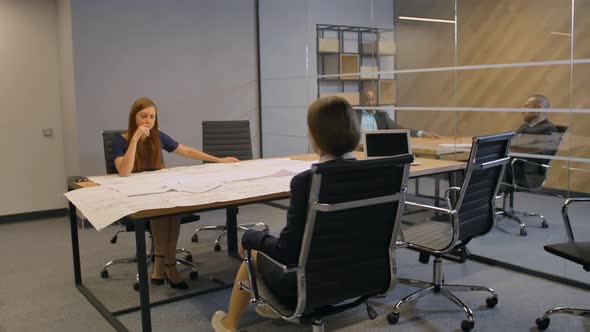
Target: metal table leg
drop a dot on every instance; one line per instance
(144, 296)
(232, 231)
(75, 245)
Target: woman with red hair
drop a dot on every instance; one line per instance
(140, 149)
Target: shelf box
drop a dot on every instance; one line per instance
(387, 92)
(380, 48)
(329, 45)
(386, 48)
(349, 64)
(351, 97)
(369, 72)
(330, 65)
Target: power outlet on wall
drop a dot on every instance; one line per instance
(47, 132)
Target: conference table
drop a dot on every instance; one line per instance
(424, 167)
(450, 148)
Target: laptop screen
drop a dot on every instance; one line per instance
(386, 143)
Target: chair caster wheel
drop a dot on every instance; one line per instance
(136, 286)
(194, 275)
(217, 247)
(188, 258)
(544, 224)
(372, 313)
(194, 238)
(104, 274)
(392, 318)
(491, 301)
(467, 326)
(542, 323)
(523, 232)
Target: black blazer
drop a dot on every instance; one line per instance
(528, 175)
(385, 122)
(286, 247)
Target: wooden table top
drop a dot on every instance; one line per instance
(432, 146)
(426, 166)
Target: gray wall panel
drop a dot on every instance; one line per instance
(33, 175)
(288, 52)
(195, 59)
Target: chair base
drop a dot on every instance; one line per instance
(223, 229)
(186, 261)
(437, 286)
(318, 325)
(512, 216)
(509, 212)
(543, 322)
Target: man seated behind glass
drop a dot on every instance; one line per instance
(537, 135)
(371, 119)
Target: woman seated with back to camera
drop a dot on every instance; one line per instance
(334, 132)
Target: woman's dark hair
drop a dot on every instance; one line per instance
(333, 125)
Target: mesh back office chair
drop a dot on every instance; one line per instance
(471, 215)
(227, 139)
(128, 226)
(528, 175)
(347, 253)
(577, 252)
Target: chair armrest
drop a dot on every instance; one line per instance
(494, 163)
(448, 196)
(429, 207)
(285, 268)
(190, 218)
(254, 296)
(524, 161)
(516, 159)
(566, 218)
(401, 244)
(452, 213)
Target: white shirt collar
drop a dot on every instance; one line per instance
(329, 157)
(535, 123)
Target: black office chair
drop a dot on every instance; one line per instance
(528, 175)
(129, 226)
(347, 253)
(577, 252)
(227, 139)
(471, 215)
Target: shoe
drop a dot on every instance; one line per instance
(158, 281)
(265, 311)
(216, 322)
(179, 285)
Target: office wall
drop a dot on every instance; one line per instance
(67, 88)
(32, 172)
(288, 61)
(195, 59)
(497, 32)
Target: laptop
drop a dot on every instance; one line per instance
(386, 143)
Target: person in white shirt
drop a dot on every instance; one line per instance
(371, 119)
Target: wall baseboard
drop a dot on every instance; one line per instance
(562, 193)
(33, 215)
(531, 272)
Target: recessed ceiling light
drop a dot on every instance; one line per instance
(411, 18)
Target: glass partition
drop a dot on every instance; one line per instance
(451, 69)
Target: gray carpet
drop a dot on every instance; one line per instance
(505, 244)
(37, 290)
